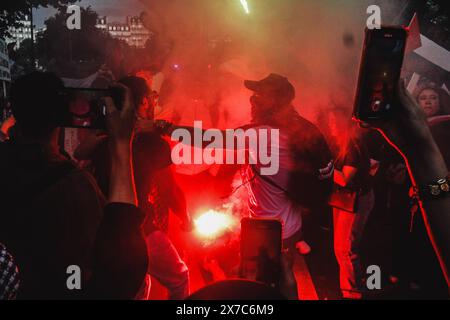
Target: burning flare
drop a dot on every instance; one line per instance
(213, 223)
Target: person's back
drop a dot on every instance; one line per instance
(50, 209)
(51, 212)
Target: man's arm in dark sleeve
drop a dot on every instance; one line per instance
(120, 254)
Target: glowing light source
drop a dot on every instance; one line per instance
(245, 6)
(213, 224)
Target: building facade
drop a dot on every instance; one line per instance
(5, 76)
(132, 31)
(21, 33)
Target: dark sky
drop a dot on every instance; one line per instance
(116, 10)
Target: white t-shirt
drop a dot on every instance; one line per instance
(265, 199)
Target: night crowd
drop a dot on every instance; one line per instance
(110, 218)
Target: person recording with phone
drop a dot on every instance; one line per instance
(402, 122)
(410, 240)
(407, 131)
(53, 213)
(157, 191)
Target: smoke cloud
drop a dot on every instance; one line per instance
(215, 45)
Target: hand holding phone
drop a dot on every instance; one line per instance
(120, 115)
(85, 107)
(379, 73)
(406, 128)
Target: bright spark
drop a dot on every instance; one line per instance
(245, 6)
(213, 223)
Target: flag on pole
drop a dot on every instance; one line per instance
(414, 41)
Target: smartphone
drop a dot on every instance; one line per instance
(379, 72)
(260, 252)
(84, 108)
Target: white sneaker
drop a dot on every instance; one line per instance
(303, 248)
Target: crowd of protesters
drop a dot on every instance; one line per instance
(112, 219)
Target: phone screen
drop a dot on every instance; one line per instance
(379, 72)
(261, 250)
(84, 108)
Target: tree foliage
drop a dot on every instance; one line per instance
(12, 11)
(64, 51)
(58, 42)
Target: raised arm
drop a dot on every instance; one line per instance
(408, 132)
(120, 125)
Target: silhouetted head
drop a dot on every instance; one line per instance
(37, 104)
(142, 96)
